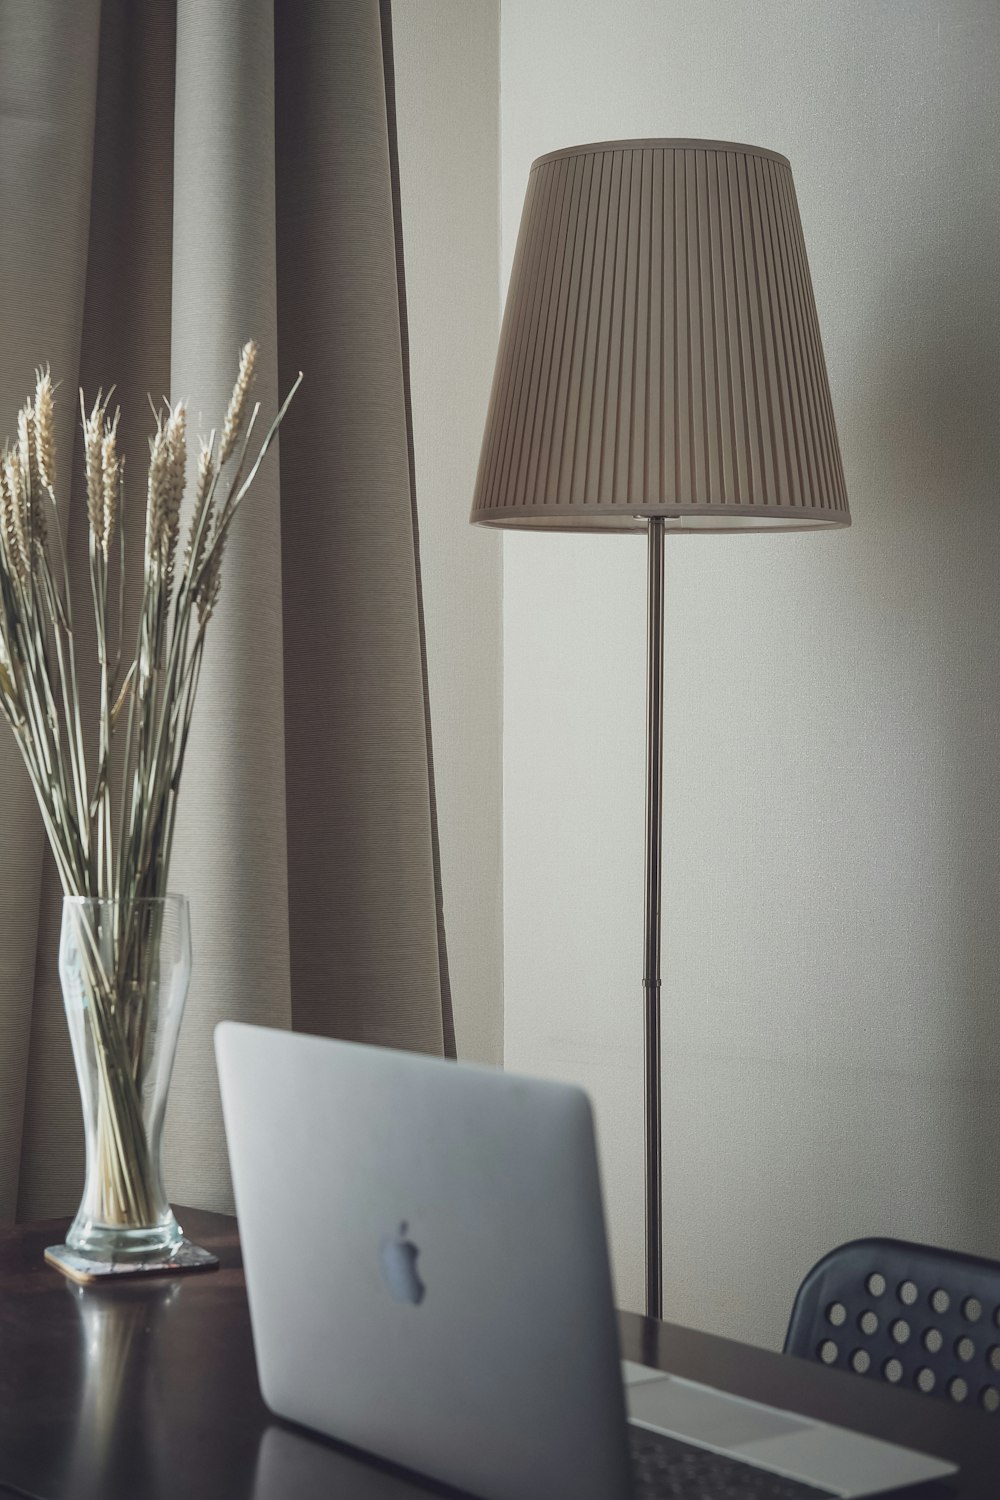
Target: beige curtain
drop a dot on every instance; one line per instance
(177, 178)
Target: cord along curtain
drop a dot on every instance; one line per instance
(177, 178)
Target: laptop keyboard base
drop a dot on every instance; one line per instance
(667, 1469)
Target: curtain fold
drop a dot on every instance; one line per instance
(218, 170)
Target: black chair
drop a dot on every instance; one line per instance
(910, 1314)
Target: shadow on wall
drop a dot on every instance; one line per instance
(930, 452)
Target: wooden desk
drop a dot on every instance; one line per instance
(149, 1392)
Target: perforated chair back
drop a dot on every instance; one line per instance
(910, 1314)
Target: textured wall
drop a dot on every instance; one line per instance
(832, 887)
(447, 64)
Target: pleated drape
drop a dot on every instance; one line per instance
(187, 176)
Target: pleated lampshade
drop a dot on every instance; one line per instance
(660, 353)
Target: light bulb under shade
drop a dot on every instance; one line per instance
(660, 352)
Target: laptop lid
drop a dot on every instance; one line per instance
(425, 1261)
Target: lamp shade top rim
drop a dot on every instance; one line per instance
(591, 148)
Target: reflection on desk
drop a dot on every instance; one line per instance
(120, 1341)
(294, 1466)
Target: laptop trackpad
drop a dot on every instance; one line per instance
(703, 1415)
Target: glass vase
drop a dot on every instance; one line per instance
(124, 968)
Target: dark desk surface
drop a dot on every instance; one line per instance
(149, 1392)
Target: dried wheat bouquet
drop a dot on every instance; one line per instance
(110, 833)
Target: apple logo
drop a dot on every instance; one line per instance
(398, 1256)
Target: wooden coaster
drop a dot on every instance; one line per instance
(186, 1257)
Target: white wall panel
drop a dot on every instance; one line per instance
(832, 964)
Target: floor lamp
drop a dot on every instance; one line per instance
(660, 367)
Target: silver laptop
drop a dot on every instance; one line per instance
(428, 1280)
